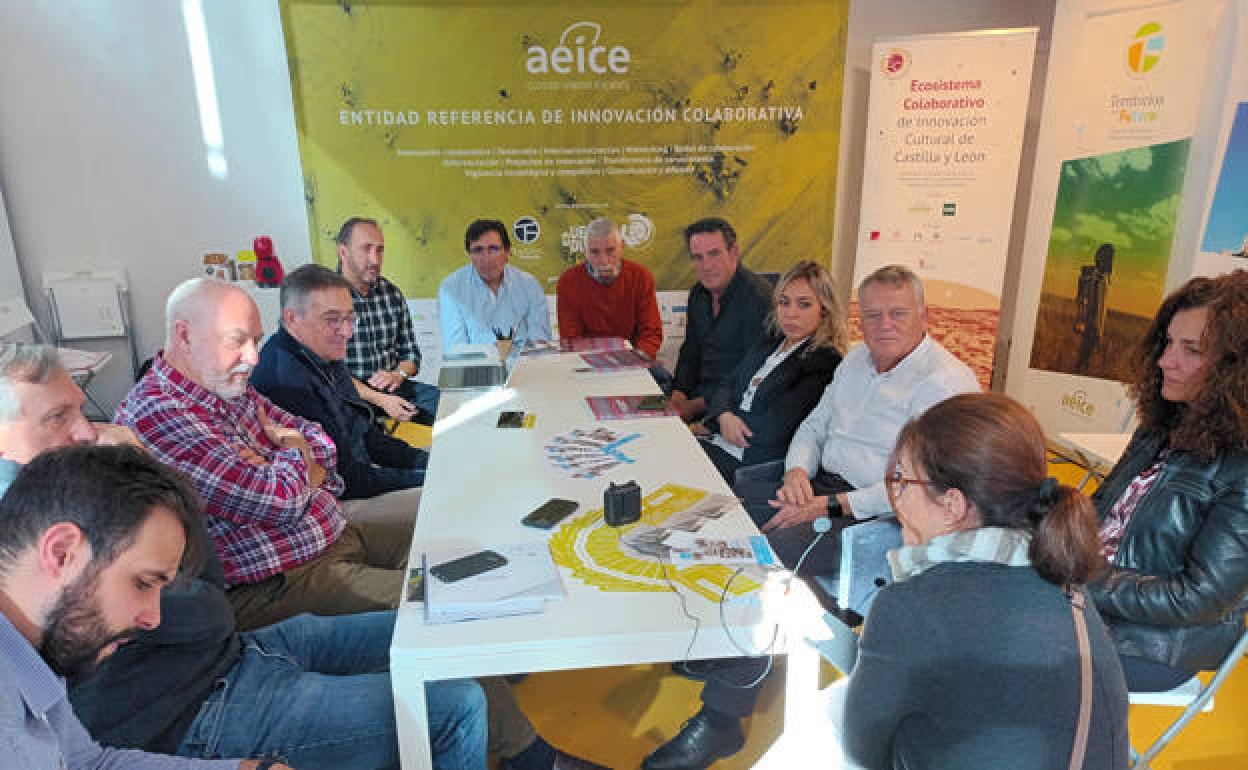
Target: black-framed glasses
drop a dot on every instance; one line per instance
(895, 483)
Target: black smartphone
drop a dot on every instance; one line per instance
(652, 403)
(511, 420)
(467, 566)
(550, 513)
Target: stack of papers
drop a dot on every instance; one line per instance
(522, 586)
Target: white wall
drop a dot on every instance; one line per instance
(869, 19)
(102, 161)
(101, 153)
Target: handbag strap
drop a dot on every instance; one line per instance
(1080, 747)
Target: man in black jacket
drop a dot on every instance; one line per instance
(302, 370)
(727, 308)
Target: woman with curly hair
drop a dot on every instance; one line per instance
(1174, 510)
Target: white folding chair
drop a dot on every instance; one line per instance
(1192, 696)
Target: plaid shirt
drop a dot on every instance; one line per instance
(263, 519)
(383, 331)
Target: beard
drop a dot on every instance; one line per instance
(226, 387)
(76, 633)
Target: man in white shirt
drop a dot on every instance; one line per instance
(835, 468)
(487, 299)
(836, 461)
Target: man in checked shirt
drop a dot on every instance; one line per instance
(267, 477)
(382, 354)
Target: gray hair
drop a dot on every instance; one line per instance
(187, 300)
(303, 280)
(602, 227)
(24, 365)
(895, 276)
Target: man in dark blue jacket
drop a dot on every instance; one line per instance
(302, 370)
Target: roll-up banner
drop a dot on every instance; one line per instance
(1224, 236)
(944, 134)
(1121, 105)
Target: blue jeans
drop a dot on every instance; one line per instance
(423, 396)
(315, 693)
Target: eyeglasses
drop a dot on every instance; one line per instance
(895, 484)
(492, 249)
(338, 321)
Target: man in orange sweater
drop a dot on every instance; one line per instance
(609, 296)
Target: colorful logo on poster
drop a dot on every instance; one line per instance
(895, 63)
(1145, 49)
(578, 53)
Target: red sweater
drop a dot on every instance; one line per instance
(626, 308)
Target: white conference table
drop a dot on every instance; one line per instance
(482, 480)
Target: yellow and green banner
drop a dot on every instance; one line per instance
(545, 115)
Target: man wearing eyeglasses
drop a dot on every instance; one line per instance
(302, 370)
(837, 460)
(487, 299)
(837, 463)
(382, 355)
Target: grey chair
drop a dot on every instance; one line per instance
(1192, 696)
(864, 562)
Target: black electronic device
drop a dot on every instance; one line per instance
(550, 513)
(621, 503)
(467, 566)
(511, 419)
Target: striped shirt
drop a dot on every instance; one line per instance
(264, 519)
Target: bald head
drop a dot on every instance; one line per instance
(212, 333)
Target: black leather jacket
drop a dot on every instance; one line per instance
(1177, 590)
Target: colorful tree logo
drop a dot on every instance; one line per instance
(1145, 50)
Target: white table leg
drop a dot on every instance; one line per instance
(411, 716)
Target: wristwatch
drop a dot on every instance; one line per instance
(834, 507)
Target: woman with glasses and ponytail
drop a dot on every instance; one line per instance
(983, 653)
(1174, 510)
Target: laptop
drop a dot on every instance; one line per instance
(479, 376)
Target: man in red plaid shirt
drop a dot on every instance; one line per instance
(267, 477)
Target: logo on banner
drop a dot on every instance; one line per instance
(895, 63)
(573, 239)
(526, 230)
(1076, 402)
(578, 53)
(637, 230)
(1145, 50)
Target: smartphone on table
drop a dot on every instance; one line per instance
(468, 566)
(550, 513)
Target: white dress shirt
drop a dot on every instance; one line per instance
(855, 425)
(471, 313)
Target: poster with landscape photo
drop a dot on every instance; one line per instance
(1109, 248)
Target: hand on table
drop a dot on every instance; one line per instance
(252, 764)
(734, 430)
